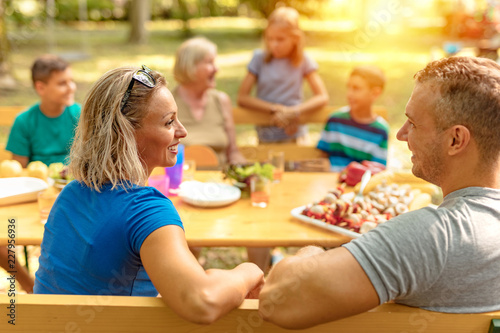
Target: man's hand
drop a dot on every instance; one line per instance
(309, 251)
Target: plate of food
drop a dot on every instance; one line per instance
(298, 213)
(341, 212)
(209, 194)
(20, 189)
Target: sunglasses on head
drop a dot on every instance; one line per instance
(143, 76)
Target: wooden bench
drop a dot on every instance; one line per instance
(69, 313)
(7, 116)
(293, 152)
(9, 113)
(244, 116)
(241, 115)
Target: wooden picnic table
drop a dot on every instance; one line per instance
(238, 224)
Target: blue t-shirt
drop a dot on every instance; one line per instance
(92, 241)
(279, 81)
(345, 140)
(42, 138)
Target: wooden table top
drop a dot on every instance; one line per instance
(238, 224)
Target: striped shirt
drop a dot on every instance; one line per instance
(345, 140)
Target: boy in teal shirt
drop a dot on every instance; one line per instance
(356, 132)
(45, 131)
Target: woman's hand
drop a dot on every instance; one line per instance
(255, 292)
(309, 251)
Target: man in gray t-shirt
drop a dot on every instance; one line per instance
(444, 259)
(450, 263)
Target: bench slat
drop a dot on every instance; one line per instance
(9, 113)
(292, 151)
(70, 313)
(244, 116)
(241, 115)
(4, 154)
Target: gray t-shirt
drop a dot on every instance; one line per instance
(279, 81)
(445, 259)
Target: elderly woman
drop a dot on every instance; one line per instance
(107, 233)
(205, 111)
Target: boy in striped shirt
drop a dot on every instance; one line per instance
(355, 132)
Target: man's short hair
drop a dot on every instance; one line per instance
(373, 75)
(470, 96)
(45, 65)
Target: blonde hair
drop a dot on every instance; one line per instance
(188, 55)
(104, 149)
(287, 17)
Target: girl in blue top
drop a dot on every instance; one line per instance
(278, 73)
(107, 233)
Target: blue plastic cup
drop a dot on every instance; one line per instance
(174, 173)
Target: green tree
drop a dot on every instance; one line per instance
(6, 79)
(139, 15)
(185, 16)
(305, 7)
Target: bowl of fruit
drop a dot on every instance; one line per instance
(241, 174)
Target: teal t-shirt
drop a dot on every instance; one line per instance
(41, 138)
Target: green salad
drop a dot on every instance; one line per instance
(243, 173)
(60, 172)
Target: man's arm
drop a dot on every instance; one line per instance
(316, 287)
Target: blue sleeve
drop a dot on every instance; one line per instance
(150, 210)
(255, 64)
(18, 142)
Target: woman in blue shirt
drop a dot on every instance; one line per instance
(107, 233)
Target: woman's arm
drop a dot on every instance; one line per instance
(316, 287)
(194, 294)
(234, 156)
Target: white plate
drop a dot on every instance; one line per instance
(208, 194)
(296, 212)
(20, 189)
